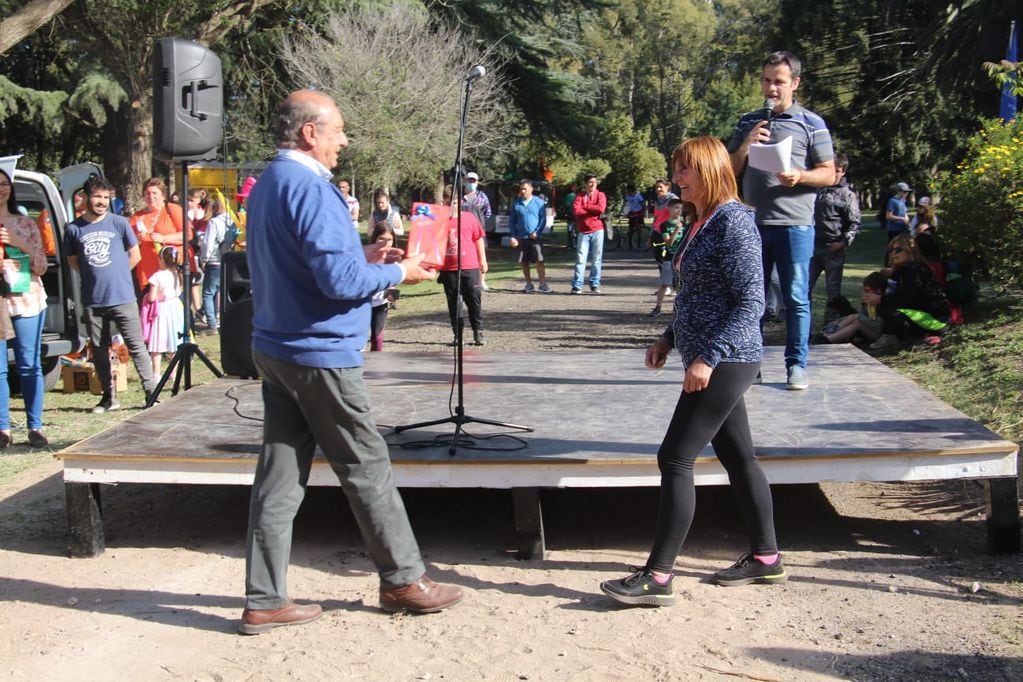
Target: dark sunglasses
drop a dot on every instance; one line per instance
(897, 249)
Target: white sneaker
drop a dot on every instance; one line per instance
(797, 379)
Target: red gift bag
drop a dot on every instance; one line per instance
(428, 233)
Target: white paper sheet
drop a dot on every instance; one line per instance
(772, 158)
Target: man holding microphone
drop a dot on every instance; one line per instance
(784, 200)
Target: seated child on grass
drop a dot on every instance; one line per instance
(866, 324)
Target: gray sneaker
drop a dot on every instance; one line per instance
(529, 288)
(107, 404)
(797, 379)
(544, 289)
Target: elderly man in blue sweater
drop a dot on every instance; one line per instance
(312, 280)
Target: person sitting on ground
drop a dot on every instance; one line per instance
(663, 243)
(930, 251)
(913, 308)
(862, 326)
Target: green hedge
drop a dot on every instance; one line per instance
(982, 204)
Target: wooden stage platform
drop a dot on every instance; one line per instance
(597, 420)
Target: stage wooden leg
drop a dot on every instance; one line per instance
(528, 523)
(1002, 515)
(84, 519)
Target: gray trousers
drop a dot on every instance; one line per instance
(832, 265)
(305, 406)
(101, 321)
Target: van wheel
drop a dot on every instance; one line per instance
(51, 375)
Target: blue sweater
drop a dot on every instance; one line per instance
(311, 284)
(721, 295)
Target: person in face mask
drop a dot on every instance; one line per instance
(478, 203)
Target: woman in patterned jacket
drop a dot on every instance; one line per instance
(716, 331)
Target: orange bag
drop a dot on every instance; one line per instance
(428, 233)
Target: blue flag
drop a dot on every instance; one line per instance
(1008, 108)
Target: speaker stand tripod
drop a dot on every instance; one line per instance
(181, 364)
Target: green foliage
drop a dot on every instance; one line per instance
(982, 203)
(631, 159)
(979, 367)
(1006, 72)
(95, 95)
(38, 108)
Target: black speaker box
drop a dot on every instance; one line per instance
(188, 100)
(236, 316)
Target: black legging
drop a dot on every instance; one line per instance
(471, 295)
(717, 415)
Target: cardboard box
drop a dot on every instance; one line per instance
(83, 378)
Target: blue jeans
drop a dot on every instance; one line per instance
(210, 289)
(583, 244)
(790, 247)
(28, 361)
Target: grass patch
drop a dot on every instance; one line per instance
(978, 368)
(68, 418)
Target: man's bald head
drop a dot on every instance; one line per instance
(300, 107)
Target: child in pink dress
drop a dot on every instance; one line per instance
(163, 316)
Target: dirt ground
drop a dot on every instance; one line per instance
(888, 581)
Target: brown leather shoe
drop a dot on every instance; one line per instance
(422, 596)
(256, 621)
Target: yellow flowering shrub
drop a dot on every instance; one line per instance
(982, 204)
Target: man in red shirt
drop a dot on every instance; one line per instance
(589, 208)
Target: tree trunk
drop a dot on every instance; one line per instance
(128, 166)
(26, 20)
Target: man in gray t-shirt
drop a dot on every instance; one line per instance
(103, 248)
(784, 201)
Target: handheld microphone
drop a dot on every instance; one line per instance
(769, 104)
(475, 73)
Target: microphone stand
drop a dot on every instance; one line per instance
(182, 360)
(460, 418)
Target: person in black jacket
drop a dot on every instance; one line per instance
(913, 308)
(836, 213)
